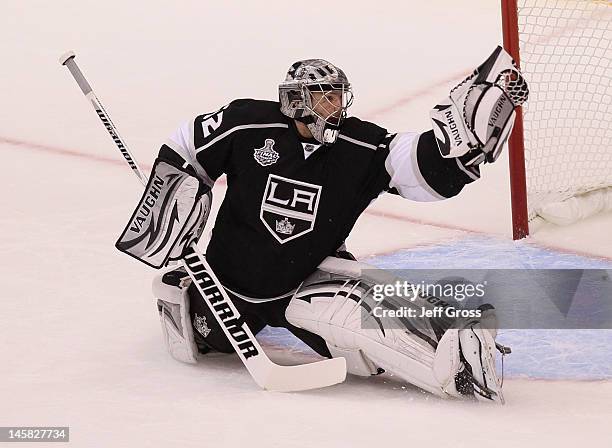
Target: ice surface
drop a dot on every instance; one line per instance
(80, 344)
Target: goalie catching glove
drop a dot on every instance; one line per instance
(474, 122)
(170, 216)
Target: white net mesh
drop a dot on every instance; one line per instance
(566, 56)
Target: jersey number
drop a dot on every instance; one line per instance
(212, 122)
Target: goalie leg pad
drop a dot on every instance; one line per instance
(331, 304)
(170, 291)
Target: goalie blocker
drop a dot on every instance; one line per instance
(170, 216)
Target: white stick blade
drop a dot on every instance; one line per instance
(305, 376)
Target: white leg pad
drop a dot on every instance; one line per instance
(396, 351)
(338, 320)
(177, 331)
(447, 362)
(335, 303)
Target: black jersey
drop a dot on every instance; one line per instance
(291, 202)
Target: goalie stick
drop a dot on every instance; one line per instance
(268, 375)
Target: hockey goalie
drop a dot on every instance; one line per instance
(300, 172)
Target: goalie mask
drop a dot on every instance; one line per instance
(316, 93)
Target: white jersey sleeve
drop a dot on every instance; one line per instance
(403, 168)
(182, 143)
(418, 172)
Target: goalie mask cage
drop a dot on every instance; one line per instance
(561, 145)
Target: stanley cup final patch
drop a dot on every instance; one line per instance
(266, 155)
(289, 207)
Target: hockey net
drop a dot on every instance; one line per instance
(566, 55)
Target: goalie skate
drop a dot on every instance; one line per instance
(478, 356)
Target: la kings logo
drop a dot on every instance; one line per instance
(200, 324)
(289, 207)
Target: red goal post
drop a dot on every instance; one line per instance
(561, 145)
(518, 183)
